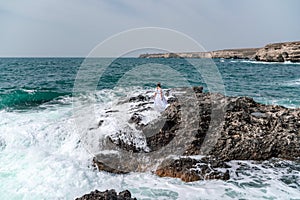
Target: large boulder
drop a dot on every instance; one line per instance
(217, 127)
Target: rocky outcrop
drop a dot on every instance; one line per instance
(279, 52)
(246, 53)
(252, 131)
(106, 195)
(217, 127)
(276, 52)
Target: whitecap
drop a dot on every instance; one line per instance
(295, 82)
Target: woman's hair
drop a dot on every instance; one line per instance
(158, 84)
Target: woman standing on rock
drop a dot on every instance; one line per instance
(160, 102)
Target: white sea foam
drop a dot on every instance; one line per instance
(295, 82)
(41, 157)
(263, 62)
(29, 91)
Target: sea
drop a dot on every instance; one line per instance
(42, 155)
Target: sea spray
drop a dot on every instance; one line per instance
(42, 155)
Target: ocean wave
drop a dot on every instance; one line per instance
(114, 109)
(263, 62)
(295, 82)
(36, 144)
(28, 98)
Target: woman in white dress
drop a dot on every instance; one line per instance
(160, 102)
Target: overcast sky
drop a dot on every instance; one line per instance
(75, 27)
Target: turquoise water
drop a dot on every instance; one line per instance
(30, 82)
(40, 153)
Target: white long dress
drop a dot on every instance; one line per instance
(160, 102)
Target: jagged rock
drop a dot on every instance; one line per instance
(275, 132)
(224, 128)
(107, 195)
(251, 131)
(188, 169)
(198, 89)
(160, 132)
(171, 100)
(138, 98)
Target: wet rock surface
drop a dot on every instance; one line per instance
(107, 195)
(219, 128)
(164, 128)
(253, 131)
(189, 169)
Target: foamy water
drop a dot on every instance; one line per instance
(46, 153)
(264, 63)
(41, 157)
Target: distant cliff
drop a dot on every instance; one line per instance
(279, 52)
(276, 52)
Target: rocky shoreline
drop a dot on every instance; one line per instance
(275, 52)
(219, 128)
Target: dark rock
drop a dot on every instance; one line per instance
(222, 128)
(107, 195)
(285, 55)
(125, 194)
(188, 169)
(198, 89)
(103, 167)
(100, 123)
(171, 100)
(159, 140)
(162, 131)
(111, 111)
(135, 118)
(138, 98)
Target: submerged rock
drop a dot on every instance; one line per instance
(107, 195)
